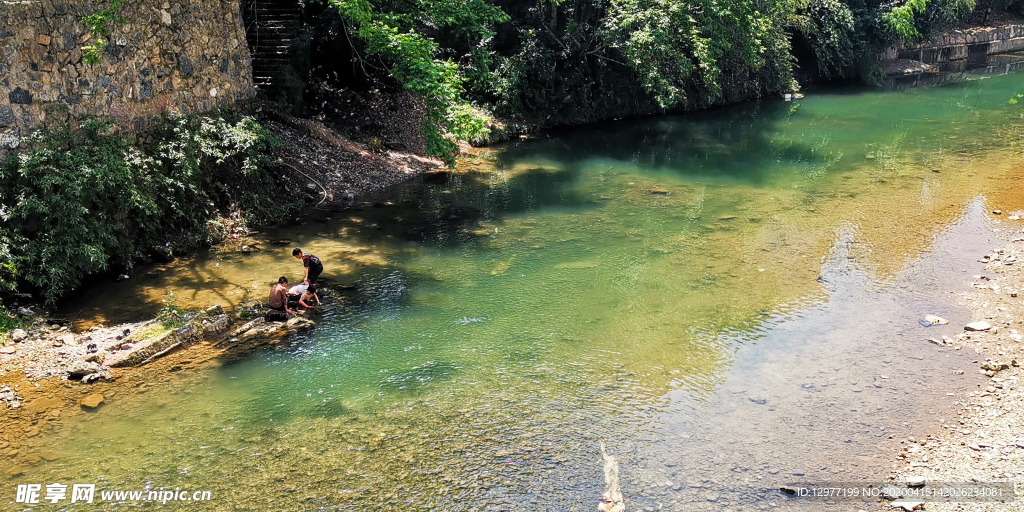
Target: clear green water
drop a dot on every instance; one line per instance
(590, 285)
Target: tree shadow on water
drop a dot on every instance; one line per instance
(735, 143)
(458, 210)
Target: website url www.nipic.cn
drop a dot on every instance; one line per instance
(86, 493)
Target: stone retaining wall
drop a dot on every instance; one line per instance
(971, 44)
(184, 56)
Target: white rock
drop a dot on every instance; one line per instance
(977, 326)
(935, 320)
(7, 350)
(18, 335)
(915, 481)
(907, 504)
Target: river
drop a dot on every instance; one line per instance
(729, 301)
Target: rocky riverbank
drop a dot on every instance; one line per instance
(984, 444)
(49, 373)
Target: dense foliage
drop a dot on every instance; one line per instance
(85, 198)
(414, 58)
(915, 19)
(570, 61)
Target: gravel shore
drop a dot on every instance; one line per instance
(984, 444)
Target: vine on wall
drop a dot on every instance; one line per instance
(98, 25)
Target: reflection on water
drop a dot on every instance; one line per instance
(643, 284)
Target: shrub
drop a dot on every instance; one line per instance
(85, 197)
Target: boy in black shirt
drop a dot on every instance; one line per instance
(312, 265)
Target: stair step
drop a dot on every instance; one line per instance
(271, 27)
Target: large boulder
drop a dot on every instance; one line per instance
(216, 325)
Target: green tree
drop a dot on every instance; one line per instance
(916, 20)
(403, 37)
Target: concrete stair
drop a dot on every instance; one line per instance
(270, 28)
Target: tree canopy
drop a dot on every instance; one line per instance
(570, 61)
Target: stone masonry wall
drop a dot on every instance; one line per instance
(183, 56)
(974, 43)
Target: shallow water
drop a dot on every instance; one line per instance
(727, 300)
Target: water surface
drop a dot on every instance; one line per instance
(728, 300)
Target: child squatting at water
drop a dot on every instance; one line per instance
(289, 300)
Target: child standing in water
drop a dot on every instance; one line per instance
(312, 265)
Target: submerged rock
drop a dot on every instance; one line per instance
(298, 323)
(92, 401)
